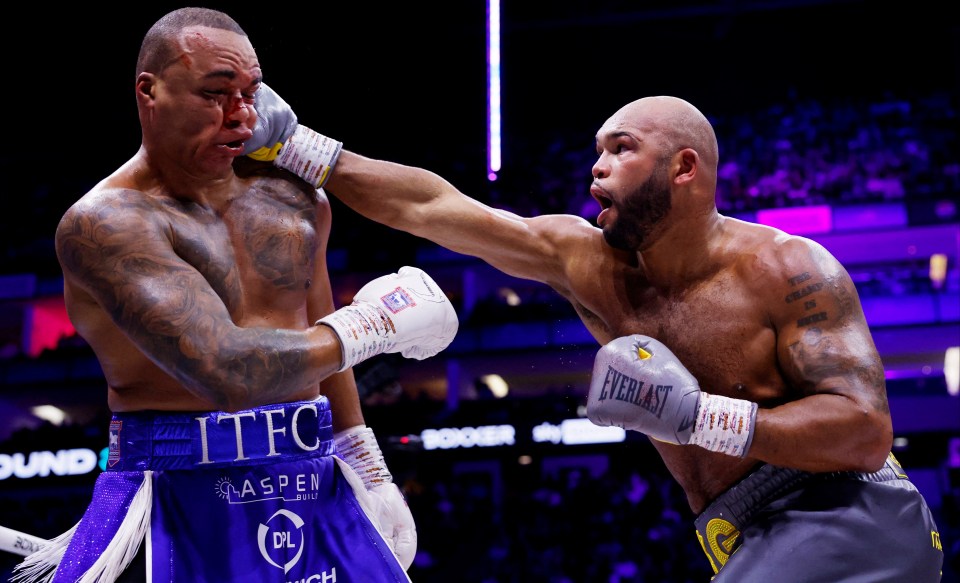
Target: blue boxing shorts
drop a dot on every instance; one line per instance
(256, 495)
(784, 525)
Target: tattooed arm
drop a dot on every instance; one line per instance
(841, 420)
(126, 283)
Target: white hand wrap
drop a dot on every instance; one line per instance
(358, 447)
(309, 155)
(724, 425)
(364, 329)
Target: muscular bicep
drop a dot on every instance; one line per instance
(126, 263)
(426, 205)
(824, 342)
(535, 248)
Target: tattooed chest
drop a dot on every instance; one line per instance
(252, 259)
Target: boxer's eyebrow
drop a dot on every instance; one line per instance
(230, 75)
(224, 73)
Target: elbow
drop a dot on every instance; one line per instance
(880, 452)
(255, 377)
(221, 393)
(231, 402)
(223, 385)
(234, 369)
(876, 443)
(874, 460)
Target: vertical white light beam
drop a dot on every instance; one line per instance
(493, 89)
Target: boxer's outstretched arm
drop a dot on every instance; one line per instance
(826, 353)
(417, 201)
(426, 205)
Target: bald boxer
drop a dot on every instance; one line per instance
(238, 450)
(742, 351)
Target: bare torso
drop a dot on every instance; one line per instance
(718, 326)
(752, 312)
(256, 250)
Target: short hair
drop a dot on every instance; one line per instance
(157, 50)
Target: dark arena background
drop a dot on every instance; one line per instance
(837, 120)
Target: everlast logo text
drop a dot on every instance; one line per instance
(620, 387)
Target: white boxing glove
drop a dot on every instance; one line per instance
(403, 312)
(396, 520)
(280, 139)
(358, 447)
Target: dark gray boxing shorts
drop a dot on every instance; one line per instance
(785, 525)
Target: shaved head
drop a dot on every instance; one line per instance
(160, 48)
(674, 124)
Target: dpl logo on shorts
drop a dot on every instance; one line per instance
(281, 539)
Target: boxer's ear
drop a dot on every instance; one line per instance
(146, 86)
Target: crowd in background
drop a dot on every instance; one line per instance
(791, 153)
(629, 523)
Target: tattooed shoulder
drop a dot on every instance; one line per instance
(102, 222)
(815, 286)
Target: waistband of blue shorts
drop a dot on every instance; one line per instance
(739, 503)
(162, 440)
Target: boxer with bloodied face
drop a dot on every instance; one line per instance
(238, 450)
